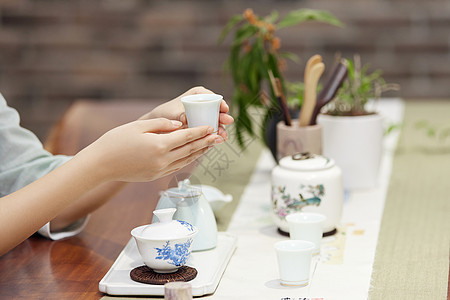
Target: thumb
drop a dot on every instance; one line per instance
(182, 118)
(159, 125)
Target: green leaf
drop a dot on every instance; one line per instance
(272, 18)
(298, 16)
(392, 127)
(233, 21)
(234, 62)
(290, 55)
(245, 32)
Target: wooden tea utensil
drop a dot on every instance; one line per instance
(311, 79)
(310, 63)
(278, 91)
(330, 89)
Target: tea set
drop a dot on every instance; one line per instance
(306, 201)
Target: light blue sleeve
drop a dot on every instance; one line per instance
(23, 158)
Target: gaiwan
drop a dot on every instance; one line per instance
(165, 246)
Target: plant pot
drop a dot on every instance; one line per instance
(355, 144)
(270, 132)
(295, 139)
(270, 138)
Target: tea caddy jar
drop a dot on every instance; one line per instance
(308, 183)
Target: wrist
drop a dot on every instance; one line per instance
(94, 168)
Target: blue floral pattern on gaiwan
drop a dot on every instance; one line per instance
(178, 255)
(187, 225)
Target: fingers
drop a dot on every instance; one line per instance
(224, 108)
(195, 146)
(180, 163)
(222, 132)
(225, 119)
(197, 90)
(183, 119)
(158, 125)
(181, 137)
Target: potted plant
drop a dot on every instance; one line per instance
(352, 132)
(255, 52)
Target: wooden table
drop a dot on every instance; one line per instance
(72, 268)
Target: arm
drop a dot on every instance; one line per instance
(136, 151)
(172, 110)
(86, 204)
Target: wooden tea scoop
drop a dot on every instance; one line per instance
(312, 77)
(310, 63)
(313, 60)
(330, 89)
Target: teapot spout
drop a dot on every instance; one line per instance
(227, 198)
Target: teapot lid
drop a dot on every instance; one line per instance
(184, 190)
(167, 228)
(306, 162)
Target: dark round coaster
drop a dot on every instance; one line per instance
(144, 274)
(331, 232)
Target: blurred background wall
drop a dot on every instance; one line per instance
(54, 52)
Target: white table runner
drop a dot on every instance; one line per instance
(344, 267)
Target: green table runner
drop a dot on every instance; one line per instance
(229, 169)
(412, 255)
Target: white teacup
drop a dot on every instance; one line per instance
(202, 109)
(307, 226)
(294, 261)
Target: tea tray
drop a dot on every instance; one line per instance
(210, 265)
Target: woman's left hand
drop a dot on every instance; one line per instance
(174, 110)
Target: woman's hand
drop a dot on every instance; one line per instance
(145, 150)
(174, 110)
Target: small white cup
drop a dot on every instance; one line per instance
(294, 261)
(308, 227)
(202, 109)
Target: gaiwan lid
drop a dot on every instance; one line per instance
(306, 162)
(167, 228)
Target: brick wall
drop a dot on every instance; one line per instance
(53, 52)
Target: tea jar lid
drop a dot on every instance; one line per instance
(306, 162)
(167, 228)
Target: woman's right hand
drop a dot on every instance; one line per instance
(145, 150)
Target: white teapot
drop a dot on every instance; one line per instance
(193, 208)
(309, 183)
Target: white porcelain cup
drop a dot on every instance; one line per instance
(294, 261)
(308, 227)
(202, 109)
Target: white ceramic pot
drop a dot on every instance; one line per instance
(216, 199)
(355, 144)
(192, 207)
(307, 183)
(165, 246)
